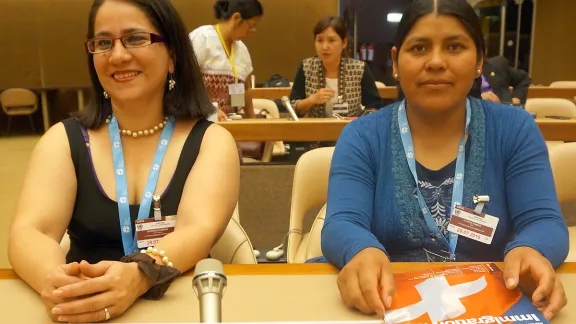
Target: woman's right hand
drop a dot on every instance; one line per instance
(490, 96)
(323, 96)
(222, 115)
(367, 282)
(62, 275)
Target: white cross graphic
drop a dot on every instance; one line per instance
(439, 300)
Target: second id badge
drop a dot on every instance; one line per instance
(149, 231)
(236, 91)
(477, 226)
(340, 109)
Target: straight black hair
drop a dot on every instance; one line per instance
(332, 21)
(461, 10)
(224, 9)
(189, 99)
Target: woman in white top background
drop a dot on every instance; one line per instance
(223, 58)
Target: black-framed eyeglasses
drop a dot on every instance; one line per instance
(101, 45)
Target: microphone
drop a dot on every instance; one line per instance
(209, 283)
(288, 105)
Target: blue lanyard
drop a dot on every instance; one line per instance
(128, 241)
(458, 187)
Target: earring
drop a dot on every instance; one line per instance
(171, 83)
(106, 95)
(396, 76)
(479, 71)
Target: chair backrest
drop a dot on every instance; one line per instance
(309, 190)
(24, 100)
(311, 246)
(562, 158)
(380, 84)
(234, 246)
(267, 105)
(272, 111)
(563, 84)
(236, 214)
(551, 107)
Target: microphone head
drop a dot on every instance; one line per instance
(209, 277)
(208, 265)
(285, 99)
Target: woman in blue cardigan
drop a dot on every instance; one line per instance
(455, 148)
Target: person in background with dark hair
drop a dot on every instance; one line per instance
(223, 57)
(145, 138)
(397, 174)
(497, 78)
(328, 82)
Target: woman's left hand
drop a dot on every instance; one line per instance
(527, 268)
(113, 286)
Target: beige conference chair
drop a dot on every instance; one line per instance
(543, 107)
(270, 109)
(562, 159)
(380, 85)
(563, 84)
(234, 246)
(551, 107)
(19, 102)
(309, 190)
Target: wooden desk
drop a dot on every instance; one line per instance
(278, 93)
(44, 99)
(281, 292)
(547, 92)
(329, 129)
(392, 93)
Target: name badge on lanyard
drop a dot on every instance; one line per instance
(128, 239)
(340, 107)
(235, 90)
(458, 186)
(150, 231)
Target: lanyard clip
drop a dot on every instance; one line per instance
(156, 207)
(480, 200)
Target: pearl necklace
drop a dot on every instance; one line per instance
(145, 132)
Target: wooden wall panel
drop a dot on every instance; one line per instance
(19, 56)
(554, 42)
(46, 38)
(64, 27)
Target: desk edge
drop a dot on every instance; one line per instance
(310, 269)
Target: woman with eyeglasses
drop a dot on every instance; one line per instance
(441, 176)
(223, 57)
(140, 152)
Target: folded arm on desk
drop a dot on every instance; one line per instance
(531, 196)
(350, 200)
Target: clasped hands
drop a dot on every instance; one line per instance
(366, 283)
(79, 292)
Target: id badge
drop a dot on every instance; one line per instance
(340, 109)
(236, 91)
(149, 231)
(471, 224)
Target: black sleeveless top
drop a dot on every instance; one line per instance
(94, 229)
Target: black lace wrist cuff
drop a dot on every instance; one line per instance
(161, 276)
